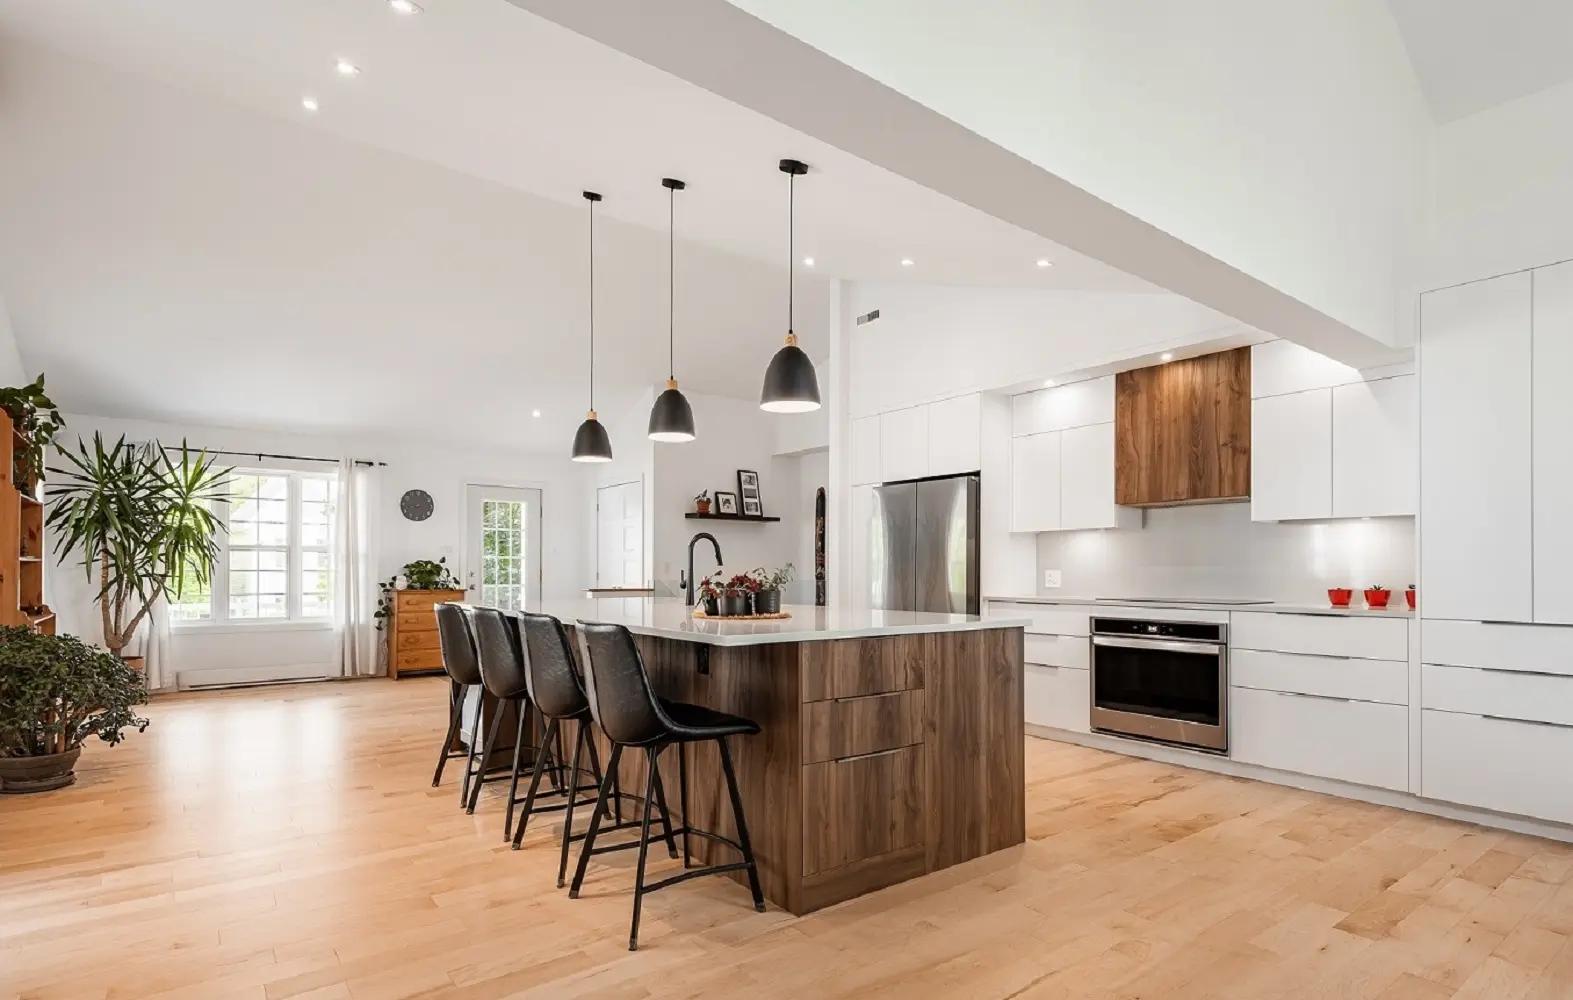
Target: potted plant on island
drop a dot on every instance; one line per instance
(767, 596)
(36, 421)
(702, 502)
(55, 692)
(141, 519)
(419, 574)
(736, 594)
(709, 594)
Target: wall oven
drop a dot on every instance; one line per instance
(1163, 681)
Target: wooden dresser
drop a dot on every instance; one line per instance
(412, 631)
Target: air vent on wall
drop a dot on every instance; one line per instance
(868, 317)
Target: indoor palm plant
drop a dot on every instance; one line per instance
(55, 692)
(141, 518)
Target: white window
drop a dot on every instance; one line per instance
(275, 561)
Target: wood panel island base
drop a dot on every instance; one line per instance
(881, 757)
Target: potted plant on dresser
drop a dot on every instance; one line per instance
(408, 607)
(55, 692)
(36, 421)
(140, 518)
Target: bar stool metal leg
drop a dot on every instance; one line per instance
(523, 709)
(652, 782)
(475, 738)
(535, 784)
(580, 739)
(742, 826)
(455, 710)
(682, 798)
(595, 822)
(666, 814)
(486, 754)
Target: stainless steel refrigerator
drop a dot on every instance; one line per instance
(923, 546)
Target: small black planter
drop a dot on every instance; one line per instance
(710, 607)
(767, 602)
(733, 604)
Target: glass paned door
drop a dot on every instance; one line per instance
(504, 531)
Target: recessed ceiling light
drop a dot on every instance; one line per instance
(906, 262)
(1048, 383)
(405, 6)
(1045, 262)
(309, 103)
(1166, 356)
(808, 262)
(535, 413)
(347, 68)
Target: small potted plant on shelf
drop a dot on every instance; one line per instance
(421, 574)
(36, 421)
(1376, 596)
(736, 595)
(702, 502)
(55, 692)
(767, 598)
(1339, 597)
(1409, 597)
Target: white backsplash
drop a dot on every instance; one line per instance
(1216, 550)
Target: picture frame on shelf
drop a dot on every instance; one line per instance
(748, 490)
(751, 507)
(725, 503)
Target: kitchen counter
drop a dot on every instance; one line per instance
(672, 619)
(1401, 610)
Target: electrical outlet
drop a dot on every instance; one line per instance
(1051, 578)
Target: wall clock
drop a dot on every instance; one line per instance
(416, 505)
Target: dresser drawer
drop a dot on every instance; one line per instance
(848, 668)
(1546, 649)
(1512, 767)
(419, 659)
(1526, 697)
(415, 600)
(861, 807)
(410, 642)
(1385, 681)
(848, 727)
(417, 621)
(1058, 697)
(1056, 650)
(1355, 741)
(1323, 635)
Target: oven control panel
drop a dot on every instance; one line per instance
(1143, 628)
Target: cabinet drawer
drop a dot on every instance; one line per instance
(861, 807)
(1056, 650)
(854, 726)
(1354, 741)
(1324, 635)
(1513, 767)
(1058, 697)
(1527, 697)
(1384, 681)
(1047, 619)
(419, 659)
(1546, 649)
(415, 601)
(409, 642)
(847, 668)
(417, 621)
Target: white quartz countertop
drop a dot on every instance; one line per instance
(1395, 609)
(672, 619)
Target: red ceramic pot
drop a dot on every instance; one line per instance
(1339, 596)
(1409, 598)
(1377, 598)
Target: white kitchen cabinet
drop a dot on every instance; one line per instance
(1035, 482)
(1502, 694)
(1503, 764)
(1057, 697)
(1076, 404)
(1497, 646)
(1292, 456)
(954, 428)
(904, 444)
(1057, 650)
(1476, 548)
(1087, 481)
(1384, 681)
(1355, 741)
(865, 450)
(1553, 458)
(1375, 436)
(1282, 366)
(1349, 636)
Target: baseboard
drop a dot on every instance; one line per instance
(1305, 782)
(226, 677)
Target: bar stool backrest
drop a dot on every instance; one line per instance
(502, 659)
(457, 640)
(619, 687)
(555, 687)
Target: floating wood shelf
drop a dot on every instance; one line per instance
(696, 516)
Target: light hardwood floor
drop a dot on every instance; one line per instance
(286, 842)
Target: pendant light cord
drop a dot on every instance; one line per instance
(592, 305)
(791, 246)
(671, 285)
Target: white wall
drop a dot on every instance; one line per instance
(443, 473)
(11, 370)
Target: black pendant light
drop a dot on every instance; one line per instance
(671, 418)
(790, 383)
(590, 443)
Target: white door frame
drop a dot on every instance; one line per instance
(535, 532)
(643, 578)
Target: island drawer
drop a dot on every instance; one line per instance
(848, 727)
(861, 807)
(848, 668)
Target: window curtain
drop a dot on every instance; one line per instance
(355, 570)
(158, 648)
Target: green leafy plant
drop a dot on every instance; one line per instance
(421, 574)
(141, 517)
(37, 421)
(775, 579)
(56, 691)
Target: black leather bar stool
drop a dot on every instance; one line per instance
(557, 690)
(463, 668)
(502, 674)
(628, 711)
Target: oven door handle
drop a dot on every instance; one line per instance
(1163, 645)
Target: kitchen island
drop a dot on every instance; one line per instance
(891, 742)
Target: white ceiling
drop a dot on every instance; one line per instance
(492, 91)
(1474, 54)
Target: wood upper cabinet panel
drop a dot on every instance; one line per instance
(1183, 431)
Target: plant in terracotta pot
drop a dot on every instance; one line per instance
(767, 598)
(37, 421)
(55, 692)
(1376, 596)
(736, 594)
(702, 502)
(140, 518)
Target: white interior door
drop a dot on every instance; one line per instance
(619, 535)
(503, 545)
